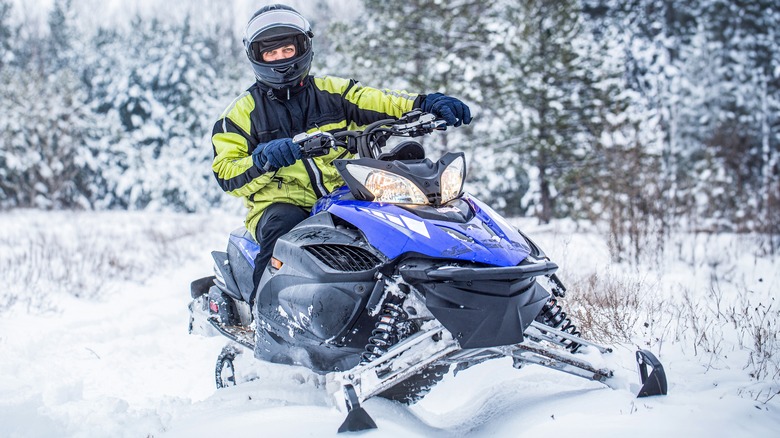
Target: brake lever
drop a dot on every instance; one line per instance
(413, 125)
(436, 125)
(315, 144)
(422, 125)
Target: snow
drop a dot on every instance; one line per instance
(121, 363)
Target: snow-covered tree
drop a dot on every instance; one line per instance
(422, 46)
(6, 34)
(7, 99)
(46, 164)
(542, 89)
(745, 90)
(160, 108)
(643, 114)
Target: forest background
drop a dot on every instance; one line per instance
(641, 117)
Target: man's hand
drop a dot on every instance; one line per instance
(276, 154)
(452, 110)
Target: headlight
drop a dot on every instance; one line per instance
(386, 186)
(452, 180)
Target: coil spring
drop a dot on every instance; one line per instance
(552, 315)
(385, 332)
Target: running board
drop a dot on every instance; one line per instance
(241, 335)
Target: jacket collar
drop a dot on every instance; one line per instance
(286, 93)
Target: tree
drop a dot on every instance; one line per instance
(46, 166)
(421, 46)
(161, 112)
(541, 93)
(7, 100)
(746, 127)
(6, 34)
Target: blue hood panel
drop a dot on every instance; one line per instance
(487, 238)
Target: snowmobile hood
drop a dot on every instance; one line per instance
(485, 238)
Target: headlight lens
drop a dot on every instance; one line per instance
(386, 186)
(452, 180)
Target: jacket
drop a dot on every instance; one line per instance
(328, 104)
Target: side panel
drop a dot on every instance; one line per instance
(306, 310)
(242, 250)
(227, 274)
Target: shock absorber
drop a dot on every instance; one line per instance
(387, 328)
(552, 315)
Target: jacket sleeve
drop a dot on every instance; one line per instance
(233, 167)
(365, 105)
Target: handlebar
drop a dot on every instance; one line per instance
(369, 141)
(315, 144)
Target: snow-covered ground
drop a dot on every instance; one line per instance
(82, 355)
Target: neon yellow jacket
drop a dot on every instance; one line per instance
(258, 115)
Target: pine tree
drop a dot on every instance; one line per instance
(6, 34)
(541, 93)
(7, 100)
(161, 109)
(45, 128)
(745, 136)
(422, 46)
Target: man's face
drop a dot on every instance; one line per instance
(283, 52)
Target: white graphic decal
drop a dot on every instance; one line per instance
(416, 226)
(396, 220)
(410, 224)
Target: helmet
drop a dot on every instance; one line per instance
(275, 26)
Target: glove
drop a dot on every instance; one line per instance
(452, 110)
(276, 154)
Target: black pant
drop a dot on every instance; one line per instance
(277, 220)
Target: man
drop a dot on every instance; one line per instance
(254, 156)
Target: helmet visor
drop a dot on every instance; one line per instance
(264, 44)
(275, 18)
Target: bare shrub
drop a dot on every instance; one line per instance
(697, 323)
(757, 326)
(611, 309)
(87, 255)
(167, 242)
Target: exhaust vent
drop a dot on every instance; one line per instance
(344, 258)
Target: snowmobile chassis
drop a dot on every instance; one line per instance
(433, 344)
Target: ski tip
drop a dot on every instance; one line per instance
(653, 383)
(357, 420)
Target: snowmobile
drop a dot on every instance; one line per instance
(393, 280)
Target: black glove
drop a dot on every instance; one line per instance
(452, 110)
(276, 154)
